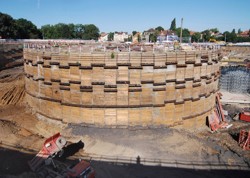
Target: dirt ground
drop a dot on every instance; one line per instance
(165, 152)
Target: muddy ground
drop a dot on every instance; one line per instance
(165, 152)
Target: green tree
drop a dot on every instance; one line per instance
(185, 32)
(206, 35)
(215, 30)
(196, 37)
(233, 36)
(173, 25)
(78, 31)
(110, 36)
(239, 31)
(153, 37)
(159, 28)
(227, 36)
(7, 28)
(91, 32)
(47, 31)
(25, 29)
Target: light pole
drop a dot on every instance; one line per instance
(181, 30)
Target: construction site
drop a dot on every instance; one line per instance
(88, 109)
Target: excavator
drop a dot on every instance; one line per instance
(44, 164)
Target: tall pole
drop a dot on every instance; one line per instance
(181, 30)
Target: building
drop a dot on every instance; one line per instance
(103, 37)
(245, 33)
(137, 37)
(166, 36)
(120, 36)
(146, 34)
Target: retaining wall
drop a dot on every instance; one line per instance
(123, 90)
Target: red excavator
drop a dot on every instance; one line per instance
(45, 166)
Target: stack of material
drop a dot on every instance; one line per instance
(217, 119)
(244, 140)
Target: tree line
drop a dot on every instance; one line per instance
(24, 29)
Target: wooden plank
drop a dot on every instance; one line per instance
(159, 75)
(171, 72)
(147, 73)
(86, 77)
(135, 76)
(158, 116)
(75, 97)
(122, 95)
(75, 73)
(86, 98)
(146, 94)
(110, 98)
(98, 117)
(64, 75)
(197, 72)
(170, 91)
(122, 73)
(146, 117)
(110, 76)
(98, 74)
(134, 117)
(122, 117)
(110, 117)
(189, 71)
(180, 74)
(134, 98)
(98, 95)
(159, 97)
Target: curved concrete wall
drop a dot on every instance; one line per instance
(124, 90)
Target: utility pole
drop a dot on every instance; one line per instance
(181, 30)
(225, 37)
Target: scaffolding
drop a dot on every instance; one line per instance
(235, 79)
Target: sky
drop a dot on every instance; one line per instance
(134, 15)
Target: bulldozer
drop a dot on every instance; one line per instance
(44, 164)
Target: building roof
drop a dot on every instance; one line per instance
(167, 32)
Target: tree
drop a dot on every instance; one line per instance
(233, 36)
(47, 31)
(153, 37)
(214, 30)
(134, 32)
(159, 28)
(91, 32)
(78, 31)
(196, 37)
(173, 25)
(185, 32)
(6, 26)
(25, 29)
(110, 36)
(206, 35)
(239, 31)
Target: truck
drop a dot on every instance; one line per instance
(44, 164)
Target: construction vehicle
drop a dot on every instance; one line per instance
(245, 116)
(46, 166)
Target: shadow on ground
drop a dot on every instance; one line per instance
(15, 163)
